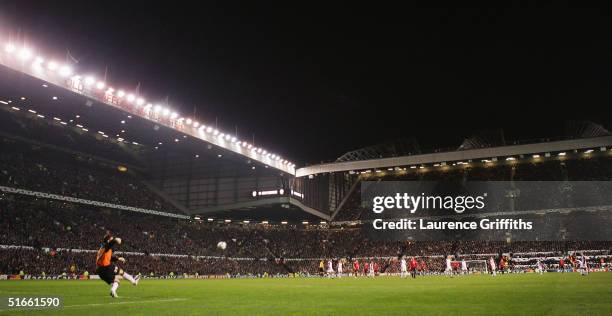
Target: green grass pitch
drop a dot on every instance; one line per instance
(520, 294)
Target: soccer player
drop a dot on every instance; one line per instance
(413, 267)
(464, 269)
(492, 266)
(339, 268)
(540, 267)
(584, 269)
(355, 267)
(330, 268)
(105, 265)
(371, 271)
(562, 265)
(449, 269)
(403, 268)
(321, 268)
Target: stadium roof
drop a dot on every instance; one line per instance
(26, 60)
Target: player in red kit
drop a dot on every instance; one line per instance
(355, 267)
(562, 265)
(413, 267)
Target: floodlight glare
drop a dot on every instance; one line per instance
(100, 85)
(131, 98)
(140, 101)
(9, 48)
(39, 60)
(65, 71)
(174, 115)
(52, 65)
(166, 112)
(90, 80)
(120, 93)
(25, 54)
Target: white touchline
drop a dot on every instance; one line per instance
(98, 304)
(128, 302)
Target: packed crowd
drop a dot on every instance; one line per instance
(23, 166)
(57, 231)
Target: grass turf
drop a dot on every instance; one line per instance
(524, 294)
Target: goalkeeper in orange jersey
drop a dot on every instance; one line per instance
(105, 265)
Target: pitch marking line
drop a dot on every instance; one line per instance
(99, 304)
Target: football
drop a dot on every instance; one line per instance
(222, 245)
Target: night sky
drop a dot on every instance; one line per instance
(316, 81)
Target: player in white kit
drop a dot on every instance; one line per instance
(371, 272)
(330, 269)
(339, 268)
(449, 267)
(464, 269)
(540, 268)
(492, 266)
(584, 269)
(403, 268)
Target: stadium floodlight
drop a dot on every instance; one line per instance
(196, 124)
(305, 222)
(188, 121)
(561, 154)
(39, 60)
(100, 85)
(166, 111)
(246, 222)
(173, 115)
(54, 98)
(216, 132)
(536, 156)
(210, 219)
(264, 222)
(140, 101)
(233, 140)
(259, 150)
(284, 222)
(89, 80)
(221, 135)
(52, 65)
(9, 48)
(209, 129)
(228, 220)
(249, 146)
(65, 71)
(131, 98)
(588, 151)
(510, 159)
(120, 93)
(25, 54)
(110, 90)
(157, 108)
(245, 144)
(228, 137)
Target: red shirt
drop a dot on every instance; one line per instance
(413, 264)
